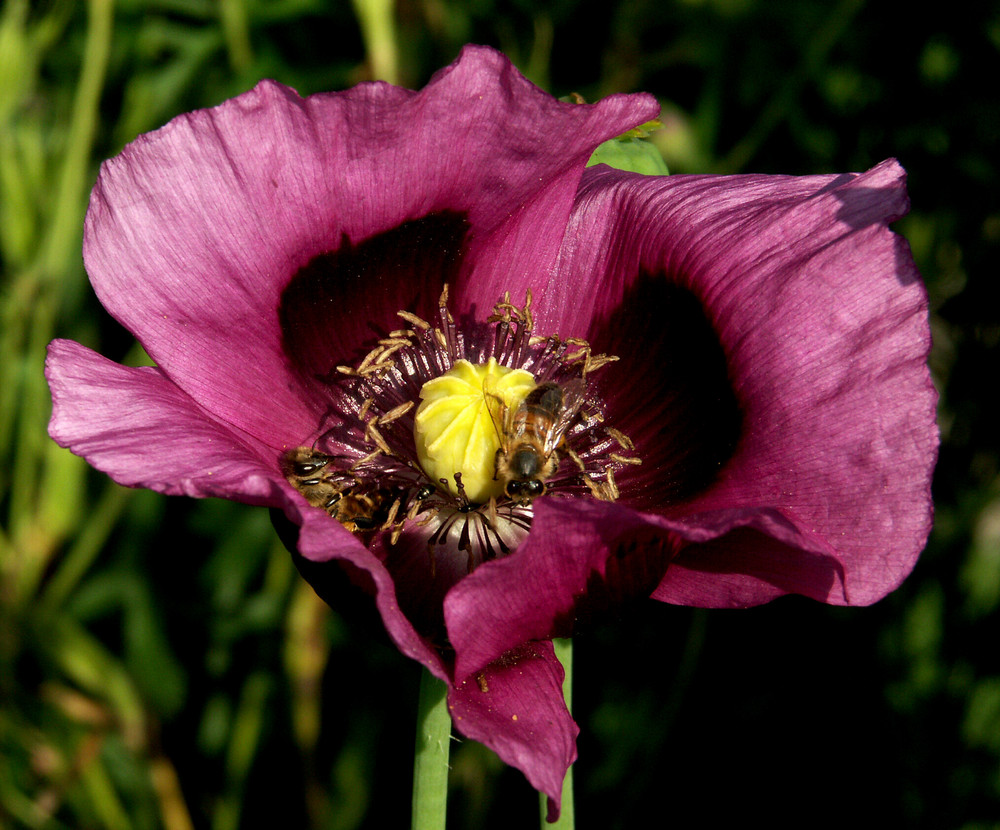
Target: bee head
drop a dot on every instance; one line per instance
(524, 491)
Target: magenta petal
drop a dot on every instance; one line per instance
(140, 429)
(820, 321)
(136, 426)
(749, 566)
(515, 706)
(745, 556)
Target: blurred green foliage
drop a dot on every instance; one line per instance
(161, 664)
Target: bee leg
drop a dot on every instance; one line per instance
(330, 505)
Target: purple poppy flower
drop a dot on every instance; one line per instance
(767, 427)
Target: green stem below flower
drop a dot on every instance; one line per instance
(430, 760)
(564, 652)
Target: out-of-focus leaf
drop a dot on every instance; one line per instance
(93, 668)
(243, 743)
(148, 655)
(634, 154)
(982, 715)
(980, 574)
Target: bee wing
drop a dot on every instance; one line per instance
(497, 407)
(574, 394)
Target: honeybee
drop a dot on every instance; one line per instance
(530, 435)
(310, 472)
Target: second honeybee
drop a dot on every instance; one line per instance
(312, 473)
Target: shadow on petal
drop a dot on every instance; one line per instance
(632, 571)
(670, 392)
(336, 307)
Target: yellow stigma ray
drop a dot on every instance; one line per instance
(454, 429)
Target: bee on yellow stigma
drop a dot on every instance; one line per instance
(455, 424)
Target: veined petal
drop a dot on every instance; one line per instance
(140, 429)
(515, 706)
(820, 326)
(195, 231)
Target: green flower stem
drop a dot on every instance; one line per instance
(564, 651)
(430, 760)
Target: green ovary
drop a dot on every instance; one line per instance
(456, 431)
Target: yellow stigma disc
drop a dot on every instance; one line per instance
(454, 430)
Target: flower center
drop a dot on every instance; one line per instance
(448, 436)
(456, 427)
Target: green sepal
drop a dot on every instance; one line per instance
(632, 152)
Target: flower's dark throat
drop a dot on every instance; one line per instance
(447, 436)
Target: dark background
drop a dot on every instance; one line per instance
(161, 662)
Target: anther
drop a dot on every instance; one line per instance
(366, 460)
(374, 436)
(623, 440)
(396, 412)
(421, 324)
(612, 486)
(623, 459)
(391, 516)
